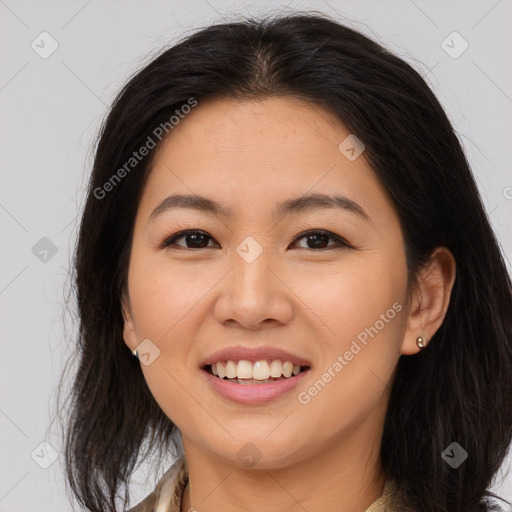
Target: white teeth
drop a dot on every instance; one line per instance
(276, 369)
(243, 370)
(230, 370)
(260, 370)
(287, 369)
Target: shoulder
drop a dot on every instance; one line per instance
(166, 496)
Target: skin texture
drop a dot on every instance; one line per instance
(313, 302)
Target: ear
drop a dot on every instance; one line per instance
(129, 334)
(430, 299)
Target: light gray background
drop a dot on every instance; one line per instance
(51, 110)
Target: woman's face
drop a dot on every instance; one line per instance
(252, 278)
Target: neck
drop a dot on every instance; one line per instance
(346, 475)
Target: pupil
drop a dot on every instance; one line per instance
(195, 236)
(316, 245)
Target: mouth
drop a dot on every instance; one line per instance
(260, 372)
(254, 375)
(273, 381)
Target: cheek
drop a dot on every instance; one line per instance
(162, 296)
(166, 304)
(359, 311)
(350, 297)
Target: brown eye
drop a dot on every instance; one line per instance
(194, 238)
(318, 239)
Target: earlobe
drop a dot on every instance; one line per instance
(430, 301)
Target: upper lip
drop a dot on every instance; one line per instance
(262, 353)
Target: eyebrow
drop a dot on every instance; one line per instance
(294, 205)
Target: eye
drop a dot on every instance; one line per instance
(199, 239)
(316, 237)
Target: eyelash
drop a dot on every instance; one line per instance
(168, 242)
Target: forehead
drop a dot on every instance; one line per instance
(251, 122)
(253, 154)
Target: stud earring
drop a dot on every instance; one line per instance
(421, 342)
(135, 353)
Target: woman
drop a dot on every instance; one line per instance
(282, 228)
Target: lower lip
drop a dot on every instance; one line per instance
(253, 393)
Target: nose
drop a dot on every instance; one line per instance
(253, 294)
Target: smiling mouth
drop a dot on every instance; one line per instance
(259, 372)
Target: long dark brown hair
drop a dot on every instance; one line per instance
(459, 388)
